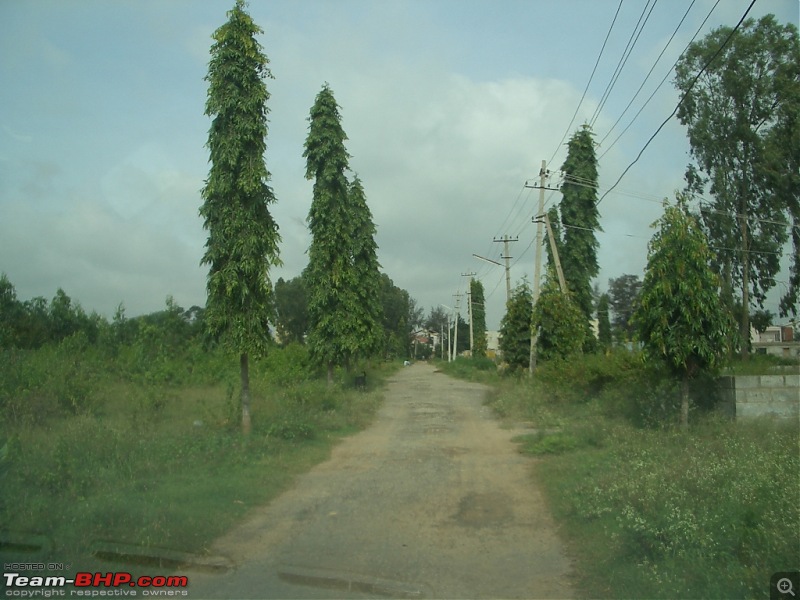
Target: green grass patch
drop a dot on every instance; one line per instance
(483, 370)
(646, 510)
(154, 464)
(762, 364)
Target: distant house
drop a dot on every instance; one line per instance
(777, 340)
(493, 341)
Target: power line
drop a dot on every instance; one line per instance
(580, 102)
(663, 80)
(623, 59)
(661, 200)
(677, 106)
(650, 72)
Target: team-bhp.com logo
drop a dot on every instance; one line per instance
(94, 584)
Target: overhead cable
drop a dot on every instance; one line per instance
(637, 31)
(650, 72)
(677, 106)
(580, 102)
(663, 80)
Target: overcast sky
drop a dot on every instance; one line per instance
(449, 107)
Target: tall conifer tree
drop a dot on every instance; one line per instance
(580, 219)
(242, 235)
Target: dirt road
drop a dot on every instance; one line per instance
(431, 501)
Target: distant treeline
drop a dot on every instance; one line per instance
(31, 324)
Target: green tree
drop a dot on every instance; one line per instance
(331, 277)
(396, 328)
(515, 328)
(735, 112)
(477, 300)
(291, 303)
(761, 319)
(580, 219)
(603, 322)
(63, 319)
(679, 318)
(562, 327)
(780, 172)
(463, 335)
(11, 313)
(623, 293)
(243, 238)
(367, 321)
(438, 322)
(34, 327)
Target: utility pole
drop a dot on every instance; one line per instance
(469, 307)
(537, 270)
(505, 239)
(455, 335)
(554, 250)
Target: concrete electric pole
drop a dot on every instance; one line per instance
(469, 308)
(537, 272)
(455, 335)
(505, 239)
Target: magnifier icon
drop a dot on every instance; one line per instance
(785, 586)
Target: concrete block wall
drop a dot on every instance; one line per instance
(745, 396)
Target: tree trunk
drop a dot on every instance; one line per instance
(330, 373)
(685, 402)
(245, 376)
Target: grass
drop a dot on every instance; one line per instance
(646, 510)
(762, 364)
(482, 370)
(157, 465)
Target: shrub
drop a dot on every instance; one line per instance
(288, 365)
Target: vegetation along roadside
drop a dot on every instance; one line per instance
(649, 510)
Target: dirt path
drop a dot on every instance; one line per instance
(431, 501)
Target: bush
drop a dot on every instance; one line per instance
(624, 385)
(286, 366)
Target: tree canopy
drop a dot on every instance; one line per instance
(580, 219)
(562, 326)
(740, 110)
(515, 328)
(242, 235)
(291, 306)
(477, 303)
(330, 276)
(679, 317)
(342, 277)
(623, 294)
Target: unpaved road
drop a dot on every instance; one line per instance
(431, 501)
